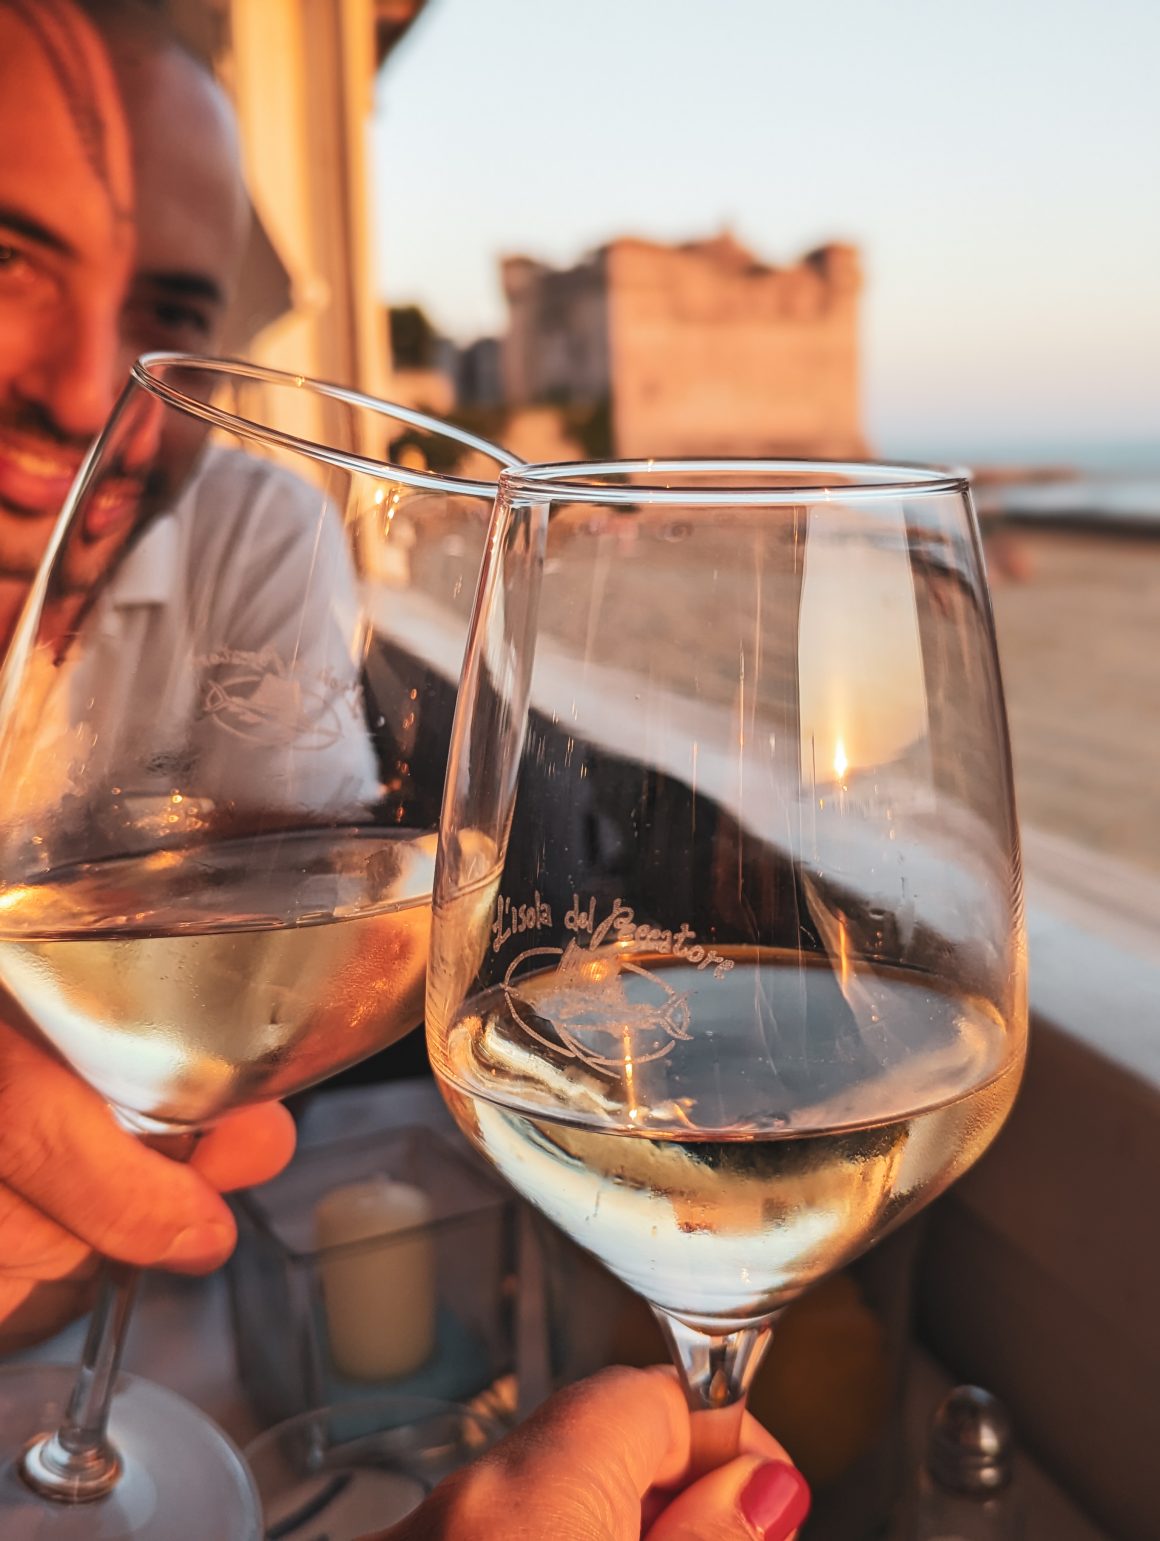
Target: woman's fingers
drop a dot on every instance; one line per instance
(750, 1499)
(576, 1471)
(588, 1464)
(755, 1440)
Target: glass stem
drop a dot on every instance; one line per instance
(78, 1464)
(716, 1370)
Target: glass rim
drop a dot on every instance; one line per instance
(143, 374)
(577, 481)
(375, 1401)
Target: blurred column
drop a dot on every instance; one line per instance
(302, 76)
(302, 73)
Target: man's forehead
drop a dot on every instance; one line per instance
(192, 205)
(62, 124)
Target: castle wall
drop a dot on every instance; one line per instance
(556, 348)
(713, 354)
(701, 348)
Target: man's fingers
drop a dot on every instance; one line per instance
(246, 1148)
(63, 1152)
(750, 1499)
(31, 1311)
(34, 1246)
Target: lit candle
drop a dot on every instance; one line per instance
(380, 1298)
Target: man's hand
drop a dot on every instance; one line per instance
(74, 1184)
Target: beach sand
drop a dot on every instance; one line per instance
(1080, 647)
(1079, 638)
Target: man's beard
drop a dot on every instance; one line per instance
(117, 501)
(38, 462)
(87, 562)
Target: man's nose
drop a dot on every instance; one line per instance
(75, 380)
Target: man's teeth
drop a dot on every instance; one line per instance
(37, 464)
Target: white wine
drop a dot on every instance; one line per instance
(721, 1138)
(190, 981)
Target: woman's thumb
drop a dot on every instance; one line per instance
(747, 1500)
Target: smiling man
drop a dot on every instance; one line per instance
(118, 232)
(193, 210)
(123, 221)
(66, 255)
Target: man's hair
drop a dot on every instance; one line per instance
(49, 24)
(137, 29)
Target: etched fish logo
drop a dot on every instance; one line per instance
(589, 1000)
(271, 709)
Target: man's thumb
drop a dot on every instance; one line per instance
(747, 1500)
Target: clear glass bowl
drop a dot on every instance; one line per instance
(285, 1322)
(342, 1471)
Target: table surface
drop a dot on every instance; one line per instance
(182, 1338)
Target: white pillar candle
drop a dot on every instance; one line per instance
(380, 1299)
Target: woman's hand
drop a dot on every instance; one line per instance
(74, 1184)
(607, 1460)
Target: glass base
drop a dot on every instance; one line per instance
(182, 1479)
(338, 1473)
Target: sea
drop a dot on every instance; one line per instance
(1058, 480)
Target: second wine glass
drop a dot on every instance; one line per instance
(224, 719)
(727, 967)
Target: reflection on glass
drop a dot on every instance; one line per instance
(861, 691)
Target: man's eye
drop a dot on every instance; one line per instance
(166, 324)
(183, 318)
(25, 280)
(14, 265)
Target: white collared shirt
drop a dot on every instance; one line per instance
(222, 663)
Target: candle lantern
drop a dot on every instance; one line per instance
(383, 1263)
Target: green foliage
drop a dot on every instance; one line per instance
(589, 424)
(488, 422)
(592, 426)
(439, 454)
(412, 337)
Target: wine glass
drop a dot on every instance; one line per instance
(224, 720)
(359, 1465)
(727, 960)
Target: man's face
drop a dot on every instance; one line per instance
(192, 223)
(192, 211)
(103, 256)
(66, 254)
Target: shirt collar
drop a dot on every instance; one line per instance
(149, 571)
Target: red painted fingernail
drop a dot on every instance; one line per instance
(775, 1500)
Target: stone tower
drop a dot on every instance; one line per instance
(698, 348)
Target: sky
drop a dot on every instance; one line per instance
(997, 162)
